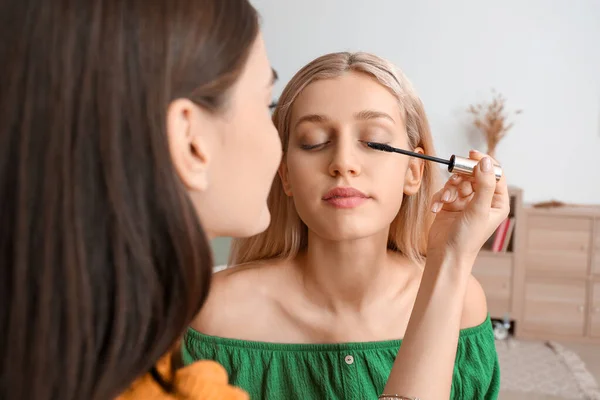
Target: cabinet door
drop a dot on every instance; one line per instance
(558, 246)
(494, 272)
(596, 251)
(555, 307)
(595, 311)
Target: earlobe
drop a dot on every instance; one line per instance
(414, 174)
(186, 134)
(283, 175)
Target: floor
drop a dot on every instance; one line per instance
(590, 354)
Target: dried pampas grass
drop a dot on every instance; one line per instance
(492, 120)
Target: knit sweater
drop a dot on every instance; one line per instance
(205, 380)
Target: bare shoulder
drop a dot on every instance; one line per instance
(475, 307)
(239, 297)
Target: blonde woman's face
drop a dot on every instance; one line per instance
(342, 189)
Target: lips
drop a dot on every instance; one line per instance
(345, 197)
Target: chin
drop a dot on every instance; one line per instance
(346, 233)
(262, 225)
(254, 227)
(349, 228)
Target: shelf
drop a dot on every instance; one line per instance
(494, 270)
(574, 211)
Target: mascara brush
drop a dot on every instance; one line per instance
(456, 164)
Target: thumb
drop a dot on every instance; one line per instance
(485, 186)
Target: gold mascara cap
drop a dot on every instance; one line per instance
(466, 166)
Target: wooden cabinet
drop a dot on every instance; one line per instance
(558, 246)
(494, 272)
(595, 311)
(547, 280)
(555, 306)
(557, 274)
(596, 249)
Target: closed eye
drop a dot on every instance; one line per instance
(376, 133)
(313, 146)
(365, 143)
(273, 105)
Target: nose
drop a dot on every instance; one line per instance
(344, 160)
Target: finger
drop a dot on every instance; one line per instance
(458, 205)
(452, 198)
(476, 155)
(485, 182)
(465, 188)
(450, 193)
(455, 189)
(455, 179)
(501, 196)
(436, 201)
(450, 189)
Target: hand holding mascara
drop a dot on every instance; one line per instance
(456, 164)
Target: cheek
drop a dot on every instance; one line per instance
(302, 173)
(256, 135)
(262, 130)
(395, 193)
(393, 167)
(388, 178)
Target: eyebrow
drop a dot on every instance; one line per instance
(315, 118)
(364, 115)
(367, 115)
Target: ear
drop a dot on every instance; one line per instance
(187, 132)
(414, 174)
(284, 176)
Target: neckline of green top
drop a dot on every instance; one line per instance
(198, 338)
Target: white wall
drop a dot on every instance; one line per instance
(544, 56)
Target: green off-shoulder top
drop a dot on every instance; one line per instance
(340, 371)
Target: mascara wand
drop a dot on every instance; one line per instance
(456, 164)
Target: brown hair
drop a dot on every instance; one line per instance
(103, 260)
(287, 234)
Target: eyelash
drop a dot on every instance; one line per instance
(273, 105)
(312, 146)
(374, 141)
(317, 146)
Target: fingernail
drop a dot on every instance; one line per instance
(486, 165)
(454, 177)
(436, 207)
(446, 196)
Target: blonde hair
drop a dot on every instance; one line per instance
(287, 234)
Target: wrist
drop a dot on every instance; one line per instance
(456, 265)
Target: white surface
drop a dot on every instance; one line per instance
(544, 56)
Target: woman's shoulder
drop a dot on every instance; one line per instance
(241, 296)
(475, 309)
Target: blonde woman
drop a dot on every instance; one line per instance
(320, 301)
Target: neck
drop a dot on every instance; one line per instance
(342, 275)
